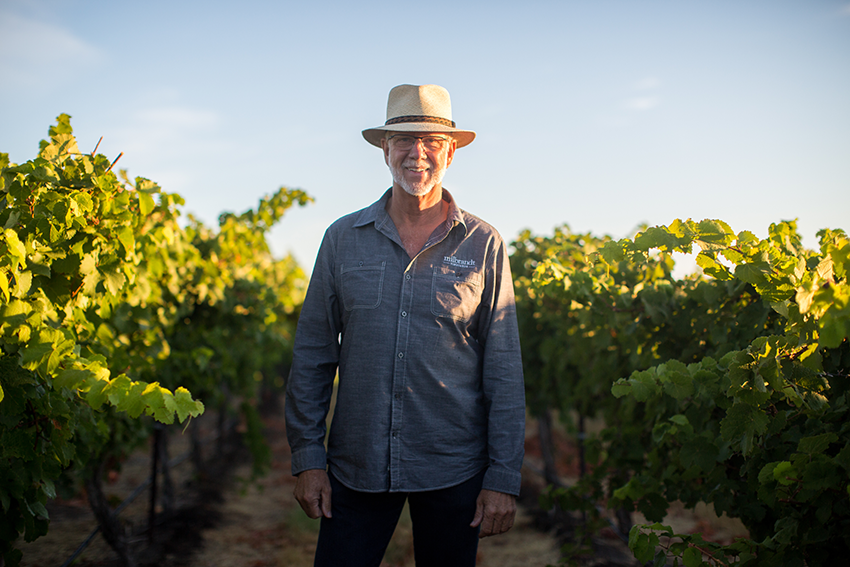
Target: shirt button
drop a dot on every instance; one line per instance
(401, 355)
(398, 396)
(404, 313)
(407, 276)
(395, 434)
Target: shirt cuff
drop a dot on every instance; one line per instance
(311, 457)
(502, 480)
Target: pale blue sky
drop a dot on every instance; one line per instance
(600, 114)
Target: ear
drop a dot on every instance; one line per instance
(386, 147)
(451, 150)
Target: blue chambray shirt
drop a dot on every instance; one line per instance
(430, 376)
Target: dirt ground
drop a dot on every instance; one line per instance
(222, 520)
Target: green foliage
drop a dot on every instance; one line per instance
(729, 389)
(111, 311)
(646, 543)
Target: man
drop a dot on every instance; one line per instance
(411, 300)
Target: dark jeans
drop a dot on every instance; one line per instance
(363, 523)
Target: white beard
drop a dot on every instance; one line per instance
(418, 189)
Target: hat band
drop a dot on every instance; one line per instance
(432, 119)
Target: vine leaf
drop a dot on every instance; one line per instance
(742, 423)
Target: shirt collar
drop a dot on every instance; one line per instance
(377, 212)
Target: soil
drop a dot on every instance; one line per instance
(222, 519)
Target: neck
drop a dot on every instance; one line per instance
(407, 209)
(416, 218)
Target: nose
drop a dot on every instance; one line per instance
(418, 148)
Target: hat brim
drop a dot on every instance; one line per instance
(374, 135)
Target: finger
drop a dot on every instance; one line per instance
(500, 521)
(326, 502)
(308, 509)
(311, 507)
(479, 515)
(486, 522)
(506, 523)
(487, 526)
(301, 499)
(309, 504)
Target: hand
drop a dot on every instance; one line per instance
(313, 492)
(494, 512)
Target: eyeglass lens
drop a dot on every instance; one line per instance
(430, 142)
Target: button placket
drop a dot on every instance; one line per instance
(399, 373)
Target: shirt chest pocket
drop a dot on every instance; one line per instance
(362, 284)
(456, 292)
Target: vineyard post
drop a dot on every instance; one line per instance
(167, 498)
(197, 451)
(157, 437)
(110, 526)
(547, 451)
(222, 415)
(582, 465)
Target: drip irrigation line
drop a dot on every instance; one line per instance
(82, 547)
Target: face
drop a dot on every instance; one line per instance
(418, 170)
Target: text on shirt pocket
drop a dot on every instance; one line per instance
(456, 292)
(362, 284)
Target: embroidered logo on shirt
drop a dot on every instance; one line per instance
(457, 262)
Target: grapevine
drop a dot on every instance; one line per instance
(97, 282)
(719, 382)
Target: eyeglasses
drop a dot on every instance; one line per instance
(404, 142)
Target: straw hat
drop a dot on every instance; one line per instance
(419, 108)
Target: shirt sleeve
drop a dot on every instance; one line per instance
(314, 364)
(504, 390)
